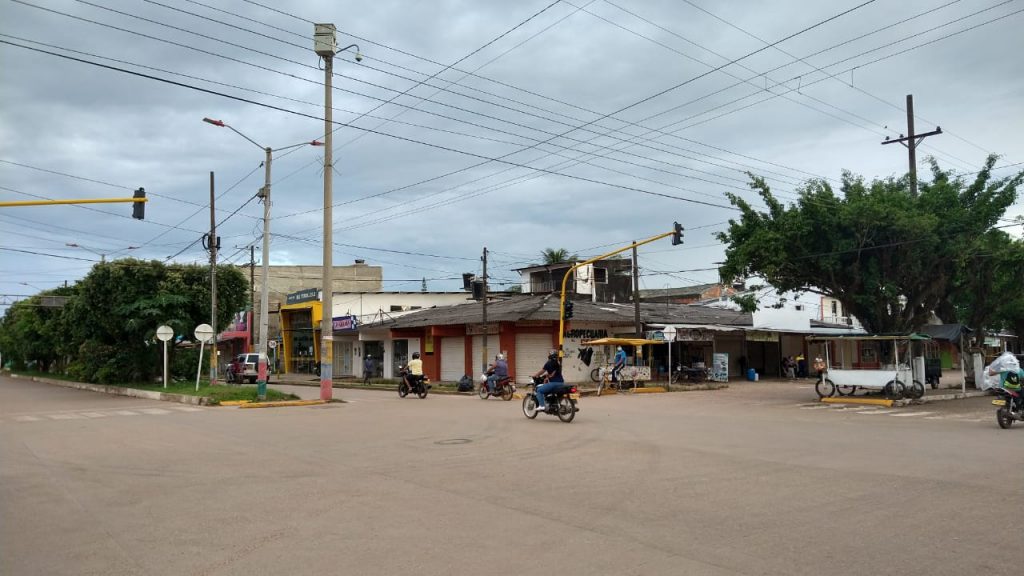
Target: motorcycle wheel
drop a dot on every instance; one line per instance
(506, 392)
(1004, 418)
(403, 390)
(421, 391)
(846, 390)
(530, 406)
(916, 390)
(825, 388)
(483, 392)
(566, 410)
(595, 375)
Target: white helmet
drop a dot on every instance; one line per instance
(500, 356)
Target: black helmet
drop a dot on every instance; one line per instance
(553, 355)
(415, 355)
(1013, 379)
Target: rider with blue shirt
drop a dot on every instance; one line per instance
(552, 373)
(618, 364)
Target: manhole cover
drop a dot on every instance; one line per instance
(452, 441)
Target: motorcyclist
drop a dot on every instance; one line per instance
(618, 363)
(496, 372)
(414, 370)
(552, 374)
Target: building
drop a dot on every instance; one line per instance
(358, 321)
(525, 328)
(609, 280)
(688, 294)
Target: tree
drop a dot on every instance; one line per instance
(890, 257)
(557, 256)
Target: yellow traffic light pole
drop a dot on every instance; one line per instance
(71, 201)
(677, 231)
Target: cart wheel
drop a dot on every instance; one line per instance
(825, 388)
(916, 390)
(894, 389)
(846, 390)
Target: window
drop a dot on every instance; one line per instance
(600, 275)
(835, 308)
(395, 308)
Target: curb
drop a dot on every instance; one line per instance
(648, 390)
(121, 391)
(281, 404)
(867, 401)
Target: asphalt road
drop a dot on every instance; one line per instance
(755, 479)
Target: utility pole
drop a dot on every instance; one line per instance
(261, 345)
(911, 141)
(252, 296)
(213, 284)
(325, 45)
(636, 294)
(484, 302)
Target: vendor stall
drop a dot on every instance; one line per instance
(878, 365)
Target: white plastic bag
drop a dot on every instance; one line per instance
(1006, 362)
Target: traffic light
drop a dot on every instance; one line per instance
(677, 233)
(139, 208)
(567, 310)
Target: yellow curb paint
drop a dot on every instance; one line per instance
(282, 403)
(648, 390)
(235, 402)
(517, 395)
(607, 391)
(869, 401)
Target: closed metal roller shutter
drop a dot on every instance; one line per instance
(531, 353)
(453, 361)
(492, 351)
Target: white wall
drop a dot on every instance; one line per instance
(366, 305)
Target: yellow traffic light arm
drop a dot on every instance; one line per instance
(71, 201)
(561, 305)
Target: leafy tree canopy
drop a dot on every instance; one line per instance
(891, 257)
(557, 256)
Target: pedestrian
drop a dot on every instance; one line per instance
(790, 365)
(819, 366)
(369, 367)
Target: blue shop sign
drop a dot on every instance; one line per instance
(303, 296)
(343, 323)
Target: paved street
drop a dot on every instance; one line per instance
(754, 479)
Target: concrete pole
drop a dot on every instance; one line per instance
(213, 285)
(261, 347)
(326, 299)
(483, 366)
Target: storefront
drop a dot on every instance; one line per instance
(300, 333)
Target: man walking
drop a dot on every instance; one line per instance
(368, 368)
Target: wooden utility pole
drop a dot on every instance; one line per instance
(911, 141)
(483, 360)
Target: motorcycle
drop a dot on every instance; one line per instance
(504, 388)
(419, 386)
(1011, 406)
(561, 401)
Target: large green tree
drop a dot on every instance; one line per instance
(557, 256)
(107, 327)
(890, 256)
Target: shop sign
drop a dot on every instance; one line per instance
(585, 334)
(693, 335)
(303, 296)
(477, 329)
(762, 336)
(343, 323)
(656, 335)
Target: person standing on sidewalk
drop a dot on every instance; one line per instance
(369, 368)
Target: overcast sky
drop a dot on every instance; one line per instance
(638, 114)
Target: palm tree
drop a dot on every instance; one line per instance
(557, 256)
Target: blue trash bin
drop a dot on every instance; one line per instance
(751, 374)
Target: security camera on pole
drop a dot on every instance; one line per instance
(326, 45)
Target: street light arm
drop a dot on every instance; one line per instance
(223, 124)
(359, 56)
(307, 143)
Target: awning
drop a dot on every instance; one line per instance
(886, 337)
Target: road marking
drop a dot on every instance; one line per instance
(64, 416)
(188, 409)
(94, 414)
(26, 419)
(934, 417)
(906, 414)
(876, 411)
(816, 407)
(126, 413)
(154, 411)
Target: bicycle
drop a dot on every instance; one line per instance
(627, 374)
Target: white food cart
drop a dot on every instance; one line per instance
(895, 380)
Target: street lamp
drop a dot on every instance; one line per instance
(264, 194)
(102, 255)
